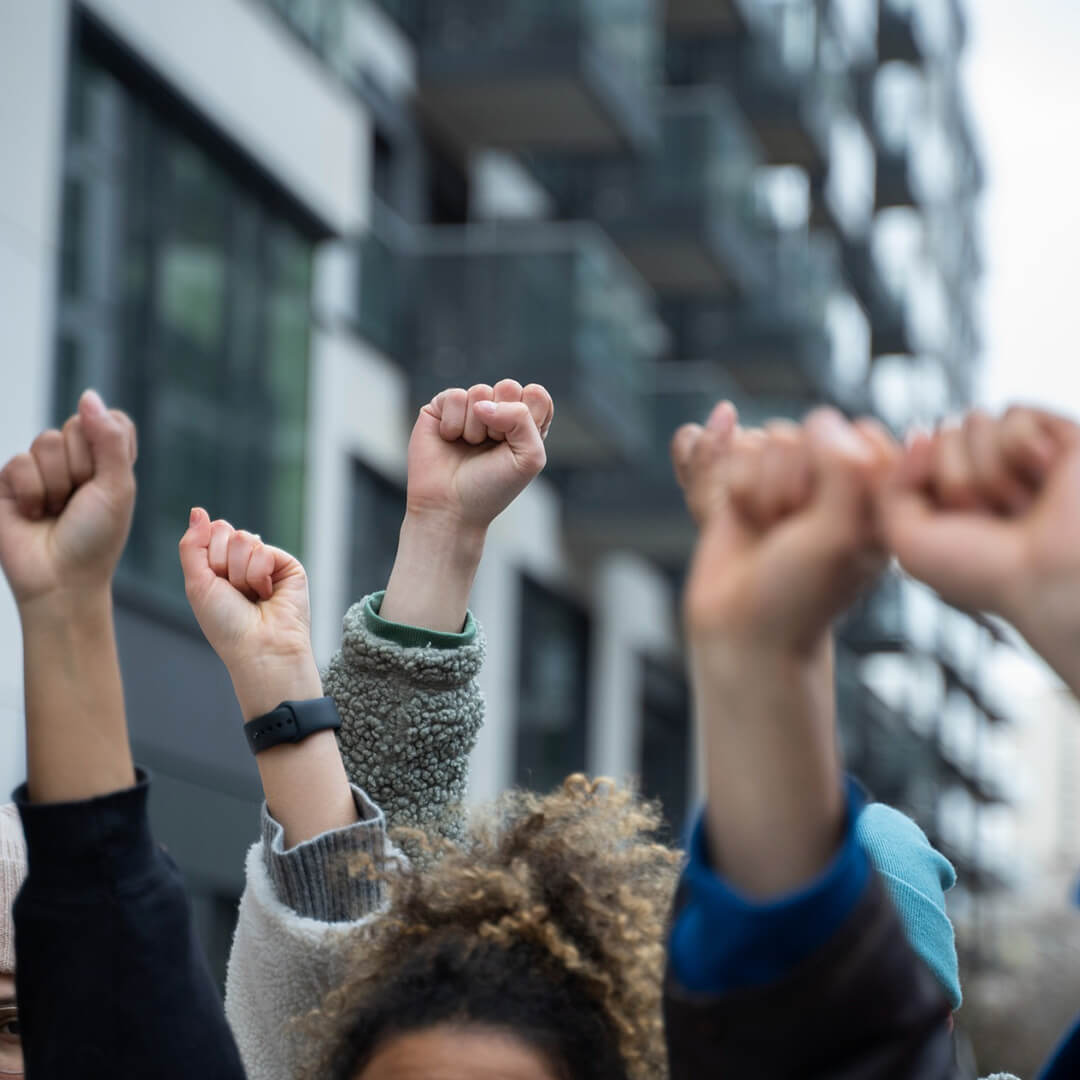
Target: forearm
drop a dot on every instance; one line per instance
(775, 804)
(76, 729)
(305, 784)
(433, 573)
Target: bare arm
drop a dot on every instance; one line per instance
(471, 453)
(251, 601)
(65, 510)
(786, 544)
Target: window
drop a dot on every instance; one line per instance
(377, 509)
(553, 688)
(185, 297)
(665, 740)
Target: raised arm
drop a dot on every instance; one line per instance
(304, 894)
(988, 514)
(251, 601)
(405, 678)
(102, 924)
(65, 511)
(786, 958)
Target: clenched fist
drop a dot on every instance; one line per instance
(988, 514)
(788, 528)
(251, 601)
(66, 505)
(472, 452)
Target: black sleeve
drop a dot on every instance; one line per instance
(109, 977)
(863, 1007)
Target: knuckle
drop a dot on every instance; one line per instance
(47, 441)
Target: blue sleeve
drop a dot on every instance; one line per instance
(1065, 1062)
(109, 977)
(723, 941)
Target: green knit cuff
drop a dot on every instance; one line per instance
(414, 637)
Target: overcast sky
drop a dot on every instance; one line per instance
(1023, 77)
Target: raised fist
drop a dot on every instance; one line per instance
(988, 514)
(472, 452)
(788, 528)
(251, 601)
(66, 505)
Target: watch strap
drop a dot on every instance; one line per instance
(291, 722)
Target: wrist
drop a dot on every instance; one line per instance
(444, 536)
(67, 607)
(265, 682)
(436, 562)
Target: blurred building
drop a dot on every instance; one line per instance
(271, 228)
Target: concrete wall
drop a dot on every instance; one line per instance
(33, 75)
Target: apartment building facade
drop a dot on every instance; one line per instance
(271, 228)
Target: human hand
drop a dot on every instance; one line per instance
(787, 514)
(470, 455)
(788, 538)
(66, 506)
(988, 514)
(251, 601)
(473, 452)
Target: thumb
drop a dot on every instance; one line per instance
(195, 553)
(111, 436)
(514, 421)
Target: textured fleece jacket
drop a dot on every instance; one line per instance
(410, 710)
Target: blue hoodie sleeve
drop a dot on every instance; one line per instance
(723, 941)
(1065, 1062)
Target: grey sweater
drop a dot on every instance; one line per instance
(410, 711)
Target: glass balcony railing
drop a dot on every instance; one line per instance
(639, 507)
(550, 303)
(520, 74)
(785, 83)
(685, 214)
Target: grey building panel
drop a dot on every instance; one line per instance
(181, 709)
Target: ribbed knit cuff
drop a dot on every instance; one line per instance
(90, 845)
(414, 636)
(323, 878)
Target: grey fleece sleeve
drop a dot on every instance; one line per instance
(321, 878)
(410, 710)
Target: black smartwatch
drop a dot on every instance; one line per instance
(291, 722)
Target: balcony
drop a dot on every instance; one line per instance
(521, 75)
(919, 31)
(640, 508)
(776, 343)
(898, 38)
(890, 332)
(550, 303)
(775, 79)
(685, 214)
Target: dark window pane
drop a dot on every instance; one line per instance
(377, 509)
(553, 688)
(665, 740)
(187, 300)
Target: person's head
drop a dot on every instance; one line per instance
(12, 873)
(916, 876)
(533, 951)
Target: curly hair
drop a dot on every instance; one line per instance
(547, 921)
